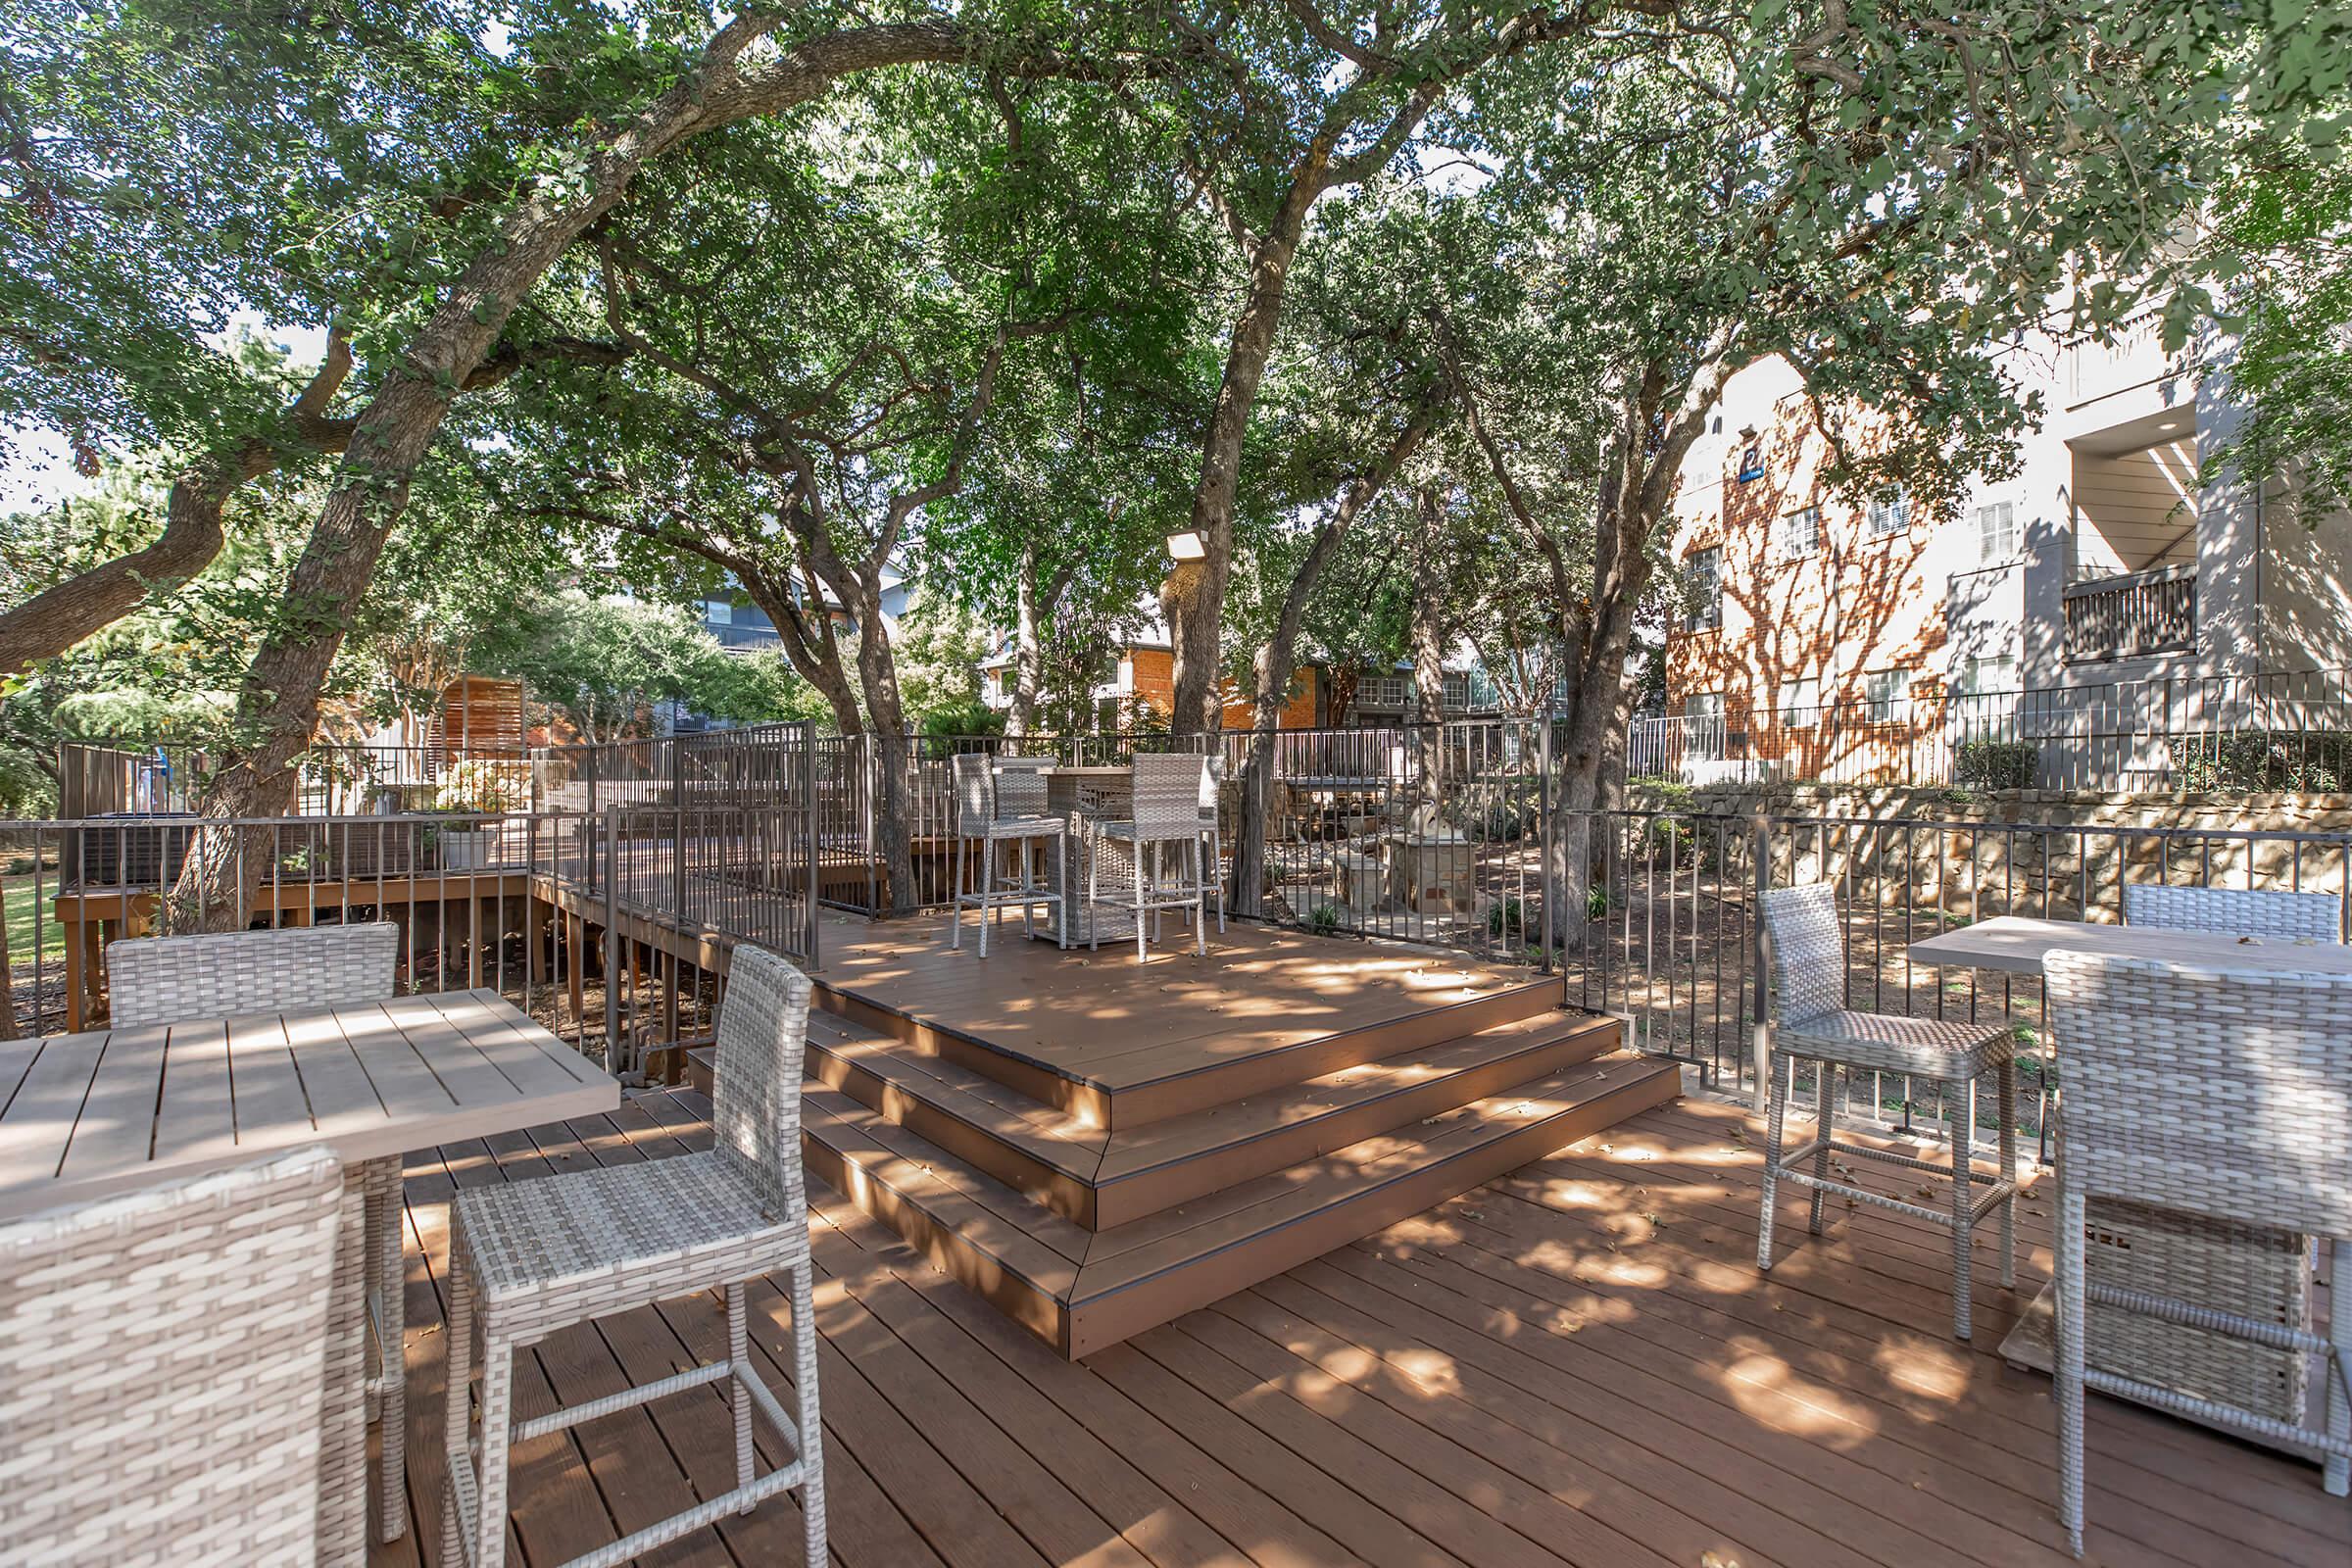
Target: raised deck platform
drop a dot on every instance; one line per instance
(1097, 1146)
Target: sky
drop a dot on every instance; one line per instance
(37, 467)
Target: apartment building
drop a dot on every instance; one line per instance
(2113, 594)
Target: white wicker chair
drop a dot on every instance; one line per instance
(161, 1368)
(1212, 782)
(1002, 799)
(154, 980)
(532, 1257)
(2217, 1092)
(163, 979)
(1810, 1023)
(1167, 789)
(2287, 916)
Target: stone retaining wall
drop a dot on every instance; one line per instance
(1976, 853)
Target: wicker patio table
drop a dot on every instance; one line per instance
(105, 1110)
(2237, 1268)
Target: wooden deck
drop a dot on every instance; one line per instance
(1574, 1364)
(1119, 1043)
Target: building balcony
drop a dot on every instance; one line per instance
(2137, 613)
(737, 638)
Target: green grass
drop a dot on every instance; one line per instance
(18, 893)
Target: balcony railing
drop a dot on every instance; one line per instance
(2152, 612)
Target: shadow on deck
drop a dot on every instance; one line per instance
(1577, 1363)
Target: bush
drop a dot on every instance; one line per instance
(1506, 918)
(1994, 766)
(1324, 921)
(1596, 903)
(1495, 809)
(958, 719)
(2314, 761)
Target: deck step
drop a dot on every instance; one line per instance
(1030, 1147)
(1162, 1166)
(1103, 1180)
(1082, 1290)
(1131, 1094)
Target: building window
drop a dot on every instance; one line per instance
(1801, 702)
(1982, 675)
(1703, 580)
(1888, 692)
(1890, 516)
(1798, 534)
(1702, 725)
(1997, 533)
(1457, 690)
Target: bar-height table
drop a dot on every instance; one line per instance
(2017, 945)
(102, 1111)
(1098, 792)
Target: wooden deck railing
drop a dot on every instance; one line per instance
(2151, 611)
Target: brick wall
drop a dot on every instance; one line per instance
(1154, 687)
(1855, 604)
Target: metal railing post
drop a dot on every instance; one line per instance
(809, 821)
(1760, 1034)
(1551, 881)
(613, 1050)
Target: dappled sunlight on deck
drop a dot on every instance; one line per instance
(1577, 1364)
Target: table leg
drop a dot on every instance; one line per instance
(387, 1382)
(343, 1412)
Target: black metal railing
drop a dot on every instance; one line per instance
(2288, 731)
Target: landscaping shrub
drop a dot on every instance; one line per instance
(1994, 766)
(1324, 921)
(2317, 761)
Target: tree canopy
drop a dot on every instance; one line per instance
(1406, 311)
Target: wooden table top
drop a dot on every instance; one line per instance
(2017, 943)
(105, 1110)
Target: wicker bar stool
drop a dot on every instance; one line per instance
(156, 980)
(1002, 799)
(532, 1257)
(1167, 790)
(2282, 917)
(1212, 780)
(162, 1359)
(1810, 1024)
(2216, 1092)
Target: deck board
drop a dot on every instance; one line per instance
(1577, 1363)
(1104, 1018)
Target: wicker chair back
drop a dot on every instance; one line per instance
(2310, 916)
(755, 1098)
(1808, 951)
(2219, 1090)
(1021, 787)
(163, 1366)
(161, 979)
(1168, 788)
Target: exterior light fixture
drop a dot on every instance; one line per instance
(1188, 544)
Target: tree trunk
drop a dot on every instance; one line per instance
(1429, 664)
(1275, 664)
(278, 699)
(1194, 600)
(819, 666)
(1026, 645)
(878, 676)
